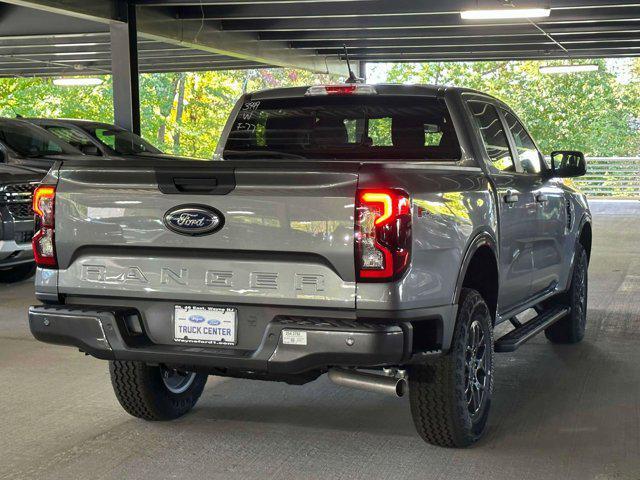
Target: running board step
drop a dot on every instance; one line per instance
(512, 340)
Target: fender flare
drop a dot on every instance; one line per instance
(482, 239)
(586, 219)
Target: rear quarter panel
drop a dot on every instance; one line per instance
(452, 205)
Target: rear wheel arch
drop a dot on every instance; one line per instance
(479, 271)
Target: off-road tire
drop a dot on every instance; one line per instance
(571, 328)
(142, 393)
(437, 391)
(17, 273)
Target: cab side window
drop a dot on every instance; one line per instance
(493, 135)
(528, 154)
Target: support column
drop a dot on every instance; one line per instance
(362, 70)
(124, 68)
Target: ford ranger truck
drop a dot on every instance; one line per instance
(376, 233)
(16, 222)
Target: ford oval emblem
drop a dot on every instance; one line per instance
(194, 220)
(196, 318)
(214, 323)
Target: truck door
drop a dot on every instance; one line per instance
(550, 209)
(515, 207)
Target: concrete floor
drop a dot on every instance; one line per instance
(560, 412)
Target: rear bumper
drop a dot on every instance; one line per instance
(13, 254)
(10, 246)
(103, 333)
(15, 241)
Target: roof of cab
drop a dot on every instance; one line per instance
(381, 89)
(73, 121)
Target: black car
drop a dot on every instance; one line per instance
(97, 138)
(24, 144)
(16, 221)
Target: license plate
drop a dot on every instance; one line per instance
(202, 324)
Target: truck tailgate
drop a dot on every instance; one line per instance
(287, 237)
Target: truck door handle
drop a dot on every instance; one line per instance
(511, 197)
(541, 198)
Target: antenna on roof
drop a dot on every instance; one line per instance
(352, 76)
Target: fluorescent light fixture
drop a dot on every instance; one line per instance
(505, 13)
(569, 68)
(77, 82)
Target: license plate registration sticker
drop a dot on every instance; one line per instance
(294, 337)
(203, 324)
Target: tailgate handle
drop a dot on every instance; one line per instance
(195, 185)
(210, 181)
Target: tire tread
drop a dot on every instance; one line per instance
(140, 391)
(436, 399)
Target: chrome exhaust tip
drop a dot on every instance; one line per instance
(395, 386)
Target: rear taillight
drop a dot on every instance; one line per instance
(383, 234)
(44, 238)
(341, 89)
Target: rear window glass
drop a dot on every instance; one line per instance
(344, 128)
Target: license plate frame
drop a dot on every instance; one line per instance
(205, 325)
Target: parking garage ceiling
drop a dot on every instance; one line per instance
(38, 42)
(218, 34)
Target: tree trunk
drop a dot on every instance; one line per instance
(179, 113)
(165, 111)
(161, 133)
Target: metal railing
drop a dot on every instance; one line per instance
(611, 177)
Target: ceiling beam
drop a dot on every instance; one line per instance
(450, 31)
(493, 58)
(533, 38)
(451, 20)
(489, 54)
(57, 71)
(57, 37)
(106, 60)
(484, 49)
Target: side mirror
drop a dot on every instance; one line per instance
(568, 163)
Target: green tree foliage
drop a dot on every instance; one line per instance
(184, 113)
(190, 127)
(208, 98)
(593, 112)
(39, 97)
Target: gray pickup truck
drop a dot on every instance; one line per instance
(377, 233)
